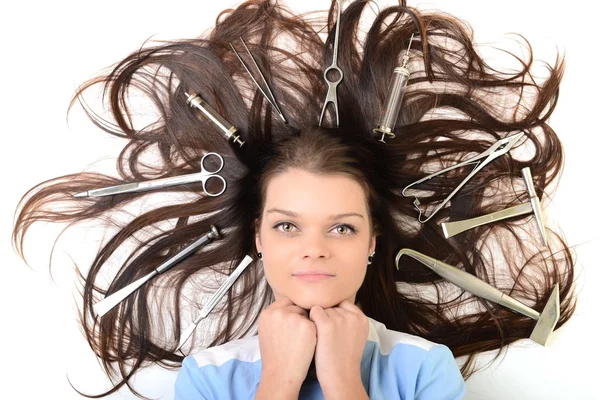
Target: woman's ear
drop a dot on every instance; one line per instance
(257, 243)
(372, 245)
(257, 236)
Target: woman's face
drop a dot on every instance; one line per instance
(315, 223)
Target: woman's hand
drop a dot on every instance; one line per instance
(342, 334)
(287, 340)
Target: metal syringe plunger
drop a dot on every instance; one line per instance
(394, 98)
(194, 100)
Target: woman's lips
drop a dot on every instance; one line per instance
(313, 277)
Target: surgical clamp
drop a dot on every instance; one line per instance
(332, 85)
(498, 149)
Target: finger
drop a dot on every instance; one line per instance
(335, 313)
(297, 310)
(348, 306)
(317, 314)
(347, 309)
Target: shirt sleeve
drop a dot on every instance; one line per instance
(439, 376)
(189, 382)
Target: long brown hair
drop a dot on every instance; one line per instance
(456, 106)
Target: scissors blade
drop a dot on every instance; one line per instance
(145, 186)
(108, 191)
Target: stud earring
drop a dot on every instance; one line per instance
(260, 254)
(370, 258)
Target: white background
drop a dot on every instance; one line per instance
(48, 48)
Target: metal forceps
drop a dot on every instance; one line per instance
(332, 85)
(498, 149)
(270, 97)
(203, 176)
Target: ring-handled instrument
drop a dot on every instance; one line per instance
(393, 102)
(332, 85)
(546, 320)
(533, 206)
(194, 100)
(203, 176)
(498, 149)
(214, 300)
(109, 302)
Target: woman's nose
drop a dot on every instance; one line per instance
(315, 246)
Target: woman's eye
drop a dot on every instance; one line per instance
(285, 225)
(347, 229)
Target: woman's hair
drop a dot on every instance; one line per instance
(456, 106)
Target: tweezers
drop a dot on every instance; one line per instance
(498, 149)
(270, 97)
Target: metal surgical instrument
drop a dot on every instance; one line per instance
(109, 302)
(214, 299)
(498, 149)
(331, 96)
(270, 97)
(533, 206)
(194, 100)
(393, 102)
(203, 176)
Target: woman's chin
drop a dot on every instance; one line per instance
(310, 302)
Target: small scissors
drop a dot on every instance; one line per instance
(203, 176)
(332, 85)
(498, 149)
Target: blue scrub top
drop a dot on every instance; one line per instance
(394, 365)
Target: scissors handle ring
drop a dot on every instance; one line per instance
(333, 67)
(216, 177)
(204, 169)
(212, 174)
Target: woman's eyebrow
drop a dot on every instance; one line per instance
(331, 217)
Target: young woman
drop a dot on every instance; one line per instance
(365, 328)
(316, 238)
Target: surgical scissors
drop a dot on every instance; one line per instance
(498, 149)
(203, 176)
(332, 85)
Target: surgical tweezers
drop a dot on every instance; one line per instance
(270, 97)
(332, 85)
(498, 149)
(203, 176)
